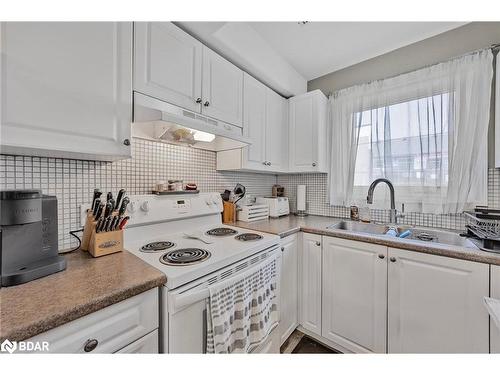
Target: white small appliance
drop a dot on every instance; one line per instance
(253, 212)
(278, 206)
(183, 237)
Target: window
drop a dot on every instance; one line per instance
(405, 142)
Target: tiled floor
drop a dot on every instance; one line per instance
(299, 343)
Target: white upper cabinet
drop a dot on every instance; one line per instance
(254, 124)
(310, 283)
(355, 294)
(168, 64)
(265, 123)
(66, 89)
(276, 132)
(222, 89)
(289, 287)
(308, 138)
(495, 293)
(436, 304)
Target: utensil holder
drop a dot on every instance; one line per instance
(229, 212)
(104, 243)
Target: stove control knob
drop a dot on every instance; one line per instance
(132, 207)
(145, 206)
(208, 202)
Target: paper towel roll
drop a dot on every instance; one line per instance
(301, 197)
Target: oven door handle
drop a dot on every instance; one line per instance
(177, 302)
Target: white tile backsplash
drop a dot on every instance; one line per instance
(73, 182)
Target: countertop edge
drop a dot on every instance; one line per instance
(36, 328)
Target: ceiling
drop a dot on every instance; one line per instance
(285, 55)
(317, 48)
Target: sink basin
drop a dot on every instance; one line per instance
(356, 226)
(418, 234)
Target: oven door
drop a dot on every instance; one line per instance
(187, 313)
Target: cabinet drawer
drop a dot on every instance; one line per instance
(114, 327)
(146, 344)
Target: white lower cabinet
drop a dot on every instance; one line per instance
(310, 282)
(354, 294)
(495, 293)
(145, 345)
(435, 304)
(114, 328)
(289, 287)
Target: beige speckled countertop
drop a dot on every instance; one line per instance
(87, 285)
(288, 225)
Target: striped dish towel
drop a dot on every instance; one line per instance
(242, 311)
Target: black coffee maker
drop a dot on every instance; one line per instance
(28, 236)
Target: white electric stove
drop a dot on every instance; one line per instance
(158, 232)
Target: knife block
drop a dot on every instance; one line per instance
(104, 243)
(89, 228)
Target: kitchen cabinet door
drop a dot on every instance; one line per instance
(308, 136)
(495, 293)
(289, 287)
(254, 125)
(354, 294)
(168, 64)
(310, 283)
(276, 131)
(222, 89)
(307, 128)
(66, 89)
(145, 345)
(435, 304)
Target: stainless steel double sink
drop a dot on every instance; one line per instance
(417, 234)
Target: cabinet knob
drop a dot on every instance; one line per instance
(314, 164)
(198, 100)
(381, 256)
(318, 243)
(126, 142)
(90, 345)
(392, 259)
(282, 248)
(264, 162)
(206, 104)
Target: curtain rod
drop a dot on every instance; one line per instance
(494, 47)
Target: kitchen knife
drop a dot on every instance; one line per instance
(97, 194)
(95, 206)
(108, 209)
(114, 222)
(100, 225)
(117, 222)
(107, 224)
(123, 207)
(123, 222)
(99, 211)
(109, 196)
(119, 197)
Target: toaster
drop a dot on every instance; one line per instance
(278, 206)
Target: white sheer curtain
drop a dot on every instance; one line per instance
(426, 131)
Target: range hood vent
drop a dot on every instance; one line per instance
(164, 122)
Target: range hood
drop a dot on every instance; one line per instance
(160, 121)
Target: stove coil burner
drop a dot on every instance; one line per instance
(221, 232)
(248, 237)
(157, 246)
(184, 257)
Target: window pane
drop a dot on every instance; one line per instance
(406, 142)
